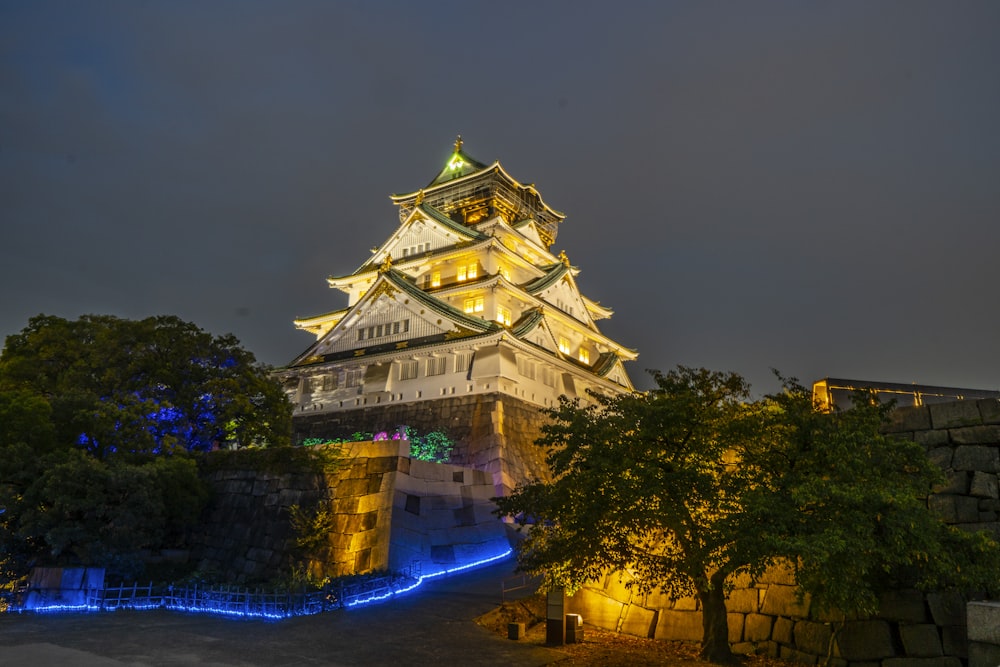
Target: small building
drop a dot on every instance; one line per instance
(831, 393)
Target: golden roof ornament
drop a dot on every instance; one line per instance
(563, 258)
(458, 143)
(386, 264)
(420, 198)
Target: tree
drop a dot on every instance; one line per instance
(145, 386)
(98, 418)
(686, 486)
(847, 505)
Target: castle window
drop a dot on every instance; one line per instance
(474, 305)
(461, 275)
(526, 367)
(462, 360)
(436, 279)
(329, 382)
(503, 316)
(505, 272)
(564, 345)
(436, 365)
(408, 369)
(549, 376)
(354, 377)
(584, 355)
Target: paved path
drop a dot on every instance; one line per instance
(430, 626)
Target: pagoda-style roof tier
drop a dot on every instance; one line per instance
(465, 296)
(468, 192)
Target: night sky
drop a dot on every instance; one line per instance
(807, 186)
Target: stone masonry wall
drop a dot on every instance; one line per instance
(388, 511)
(910, 630)
(492, 432)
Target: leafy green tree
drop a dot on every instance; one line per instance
(97, 417)
(93, 512)
(149, 385)
(689, 485)
(847, 506)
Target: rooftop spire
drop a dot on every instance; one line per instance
(458, 143)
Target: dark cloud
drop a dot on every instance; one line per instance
(807, 187)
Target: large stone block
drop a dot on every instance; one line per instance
(947, 608)
(955, 482)
(954, 509)
(784, 601)
(781, 573)
(906, 606)
(735, 624)
(757, 628)
(946, 661)
(983, 655)
(921, 641)
(983, 621)
(911, 418)
(596, 608)
(812, 637)
(932, 438)
(984, 458)
(679, 626)
(638, 621)
(984, 485)
(865, 640)
(989, 408)
(941, 456)
(790, 654)
(782, 631)
(955, 414)
(954, 641)
(743, 600)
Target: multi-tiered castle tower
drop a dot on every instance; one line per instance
(462, 311)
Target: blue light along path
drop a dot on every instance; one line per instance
(432, 625)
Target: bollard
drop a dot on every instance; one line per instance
(515, 631)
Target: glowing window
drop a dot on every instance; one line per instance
(436, 279)
(473, 271)
(584, 355)
(408, 369)
(474, 305)
(503, 316)
(564, 345)
(461, 273)
(505, 272)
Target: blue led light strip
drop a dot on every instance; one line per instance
(205, 609)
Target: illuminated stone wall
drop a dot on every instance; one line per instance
(388, 512)
(911, 629)
(492, 432)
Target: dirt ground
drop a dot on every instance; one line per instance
(599, 646)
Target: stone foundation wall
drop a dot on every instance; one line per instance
(911, 629)
(388, 512)
(492, 432)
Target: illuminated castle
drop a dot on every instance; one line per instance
(464, 299)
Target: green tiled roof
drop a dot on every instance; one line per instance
(605, 363)
(458, 165)
(432, 212)
(403, 282)
(553, 272)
